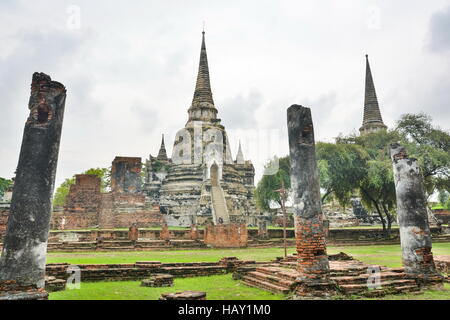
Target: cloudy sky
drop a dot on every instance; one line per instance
(130, 69)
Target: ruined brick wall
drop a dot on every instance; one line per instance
(126, 175)
(125, 210)
(82, 204)
(4, 214)
(86, 207)
(165, 233)
(226, 235)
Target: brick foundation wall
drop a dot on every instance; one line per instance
(336, 235)
(144, 269)
(87, 207)
(226, 235)
(122, 210)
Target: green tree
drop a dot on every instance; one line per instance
(59, 199)
(265, 191)
(62, 191)
(5, 184)
(443, 197)
(431, 146)
(341, 167)
(377, 191)
(362, 163)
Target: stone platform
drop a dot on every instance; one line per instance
(145, 269)
(158, 280)
(349, 277)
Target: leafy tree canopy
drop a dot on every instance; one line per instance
(265, 192)
(5, 184)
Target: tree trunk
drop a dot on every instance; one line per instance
(377, 207)
(389, 219)
(325, 196)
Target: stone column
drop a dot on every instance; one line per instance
(194, 232)
(133, 233)
(313, 265)
(262, 229)
(415, 235)
(22, 263)
(165, 233)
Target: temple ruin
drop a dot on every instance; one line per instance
(201, 182)
(124, 206)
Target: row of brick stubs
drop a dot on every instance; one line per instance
(165, 233)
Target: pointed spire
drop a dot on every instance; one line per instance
(240, 155)
(203, 87)
(372, 119)
(162, 154)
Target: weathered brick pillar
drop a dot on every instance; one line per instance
(133, 233)
(262, 229)
(165, 233)
(22, 263)
(313, 263)
(194, 232)
(415, 235)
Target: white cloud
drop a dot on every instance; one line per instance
(130, 70)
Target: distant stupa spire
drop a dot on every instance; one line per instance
(162, 154)
(240, 155)
(202, 91)
(202, 107)
(372, 120)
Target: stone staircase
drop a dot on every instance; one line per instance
(350, 277)
(220, 207)
(391, 281)
(273, 279)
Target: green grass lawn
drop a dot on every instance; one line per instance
(218, 287)
(388, 255)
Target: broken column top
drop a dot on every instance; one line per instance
(40, 78)
(300, 114)
(399, 152)
(45, 100)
